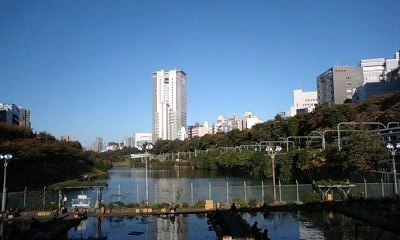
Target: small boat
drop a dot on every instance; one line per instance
(81, 202)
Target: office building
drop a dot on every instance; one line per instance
(376, 69)
(338, 84)
(169, 104)
(391, 84)
(198, 130)
(225, 124)
(112, 146)
(24, 117)
(303, 102)
(66, 138)
(129, 142)
(142, 138)
(98, 145)
(10, 114)
(248, 120)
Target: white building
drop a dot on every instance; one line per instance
(141, 138)
(98, 145)
(224, 124)
(169, 104)
(129, 142)
(373, 69)
(247, 121)
(198, 130)
(304, 102)
(376, 69)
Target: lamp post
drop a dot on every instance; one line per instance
(6, 158)
(146, 147)
(272, 152)
(393, 150)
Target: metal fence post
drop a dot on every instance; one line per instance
(209, 190)
(59, 199)
(155, 193)
(227, 192)
(297, 191)
(262, 193)
(383, 189)
(245, 191)
(191, 193)
(44, 196)
(280, 191)
(365, 188)
(173, 193)
(25, 191)
(137, 193)
(119, 192)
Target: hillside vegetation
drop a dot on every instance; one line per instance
(40, 160)
(361, 155)
(384, 109)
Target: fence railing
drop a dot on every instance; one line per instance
(189, 194)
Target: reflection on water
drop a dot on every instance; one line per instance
(190, 226)
(128, 185)
(280, 225)
(324, 225)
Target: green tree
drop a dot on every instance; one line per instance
(365, 152)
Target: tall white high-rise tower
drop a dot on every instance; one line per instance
(169, 105)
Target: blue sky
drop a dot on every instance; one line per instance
(84, 68)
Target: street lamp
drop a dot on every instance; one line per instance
(146, 147)
(392, 150)
(272, 152)
(6, 158)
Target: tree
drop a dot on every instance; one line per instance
(44, 136)
(365, 152)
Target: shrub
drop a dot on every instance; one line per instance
(185, 205)
(160, 205)
(201, 203)
(132, 205)
(240, 203)
(311, 198)
(119, 204)
(358, 195)
(290, 202)
(253, 203)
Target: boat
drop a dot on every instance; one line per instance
(81, 202)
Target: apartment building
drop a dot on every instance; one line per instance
(169, 104)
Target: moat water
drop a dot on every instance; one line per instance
(128, 185)
(280, 225)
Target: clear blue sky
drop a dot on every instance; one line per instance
(84, 68)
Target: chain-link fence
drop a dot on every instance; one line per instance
(188, 194)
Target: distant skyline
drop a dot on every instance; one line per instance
(84, 68)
